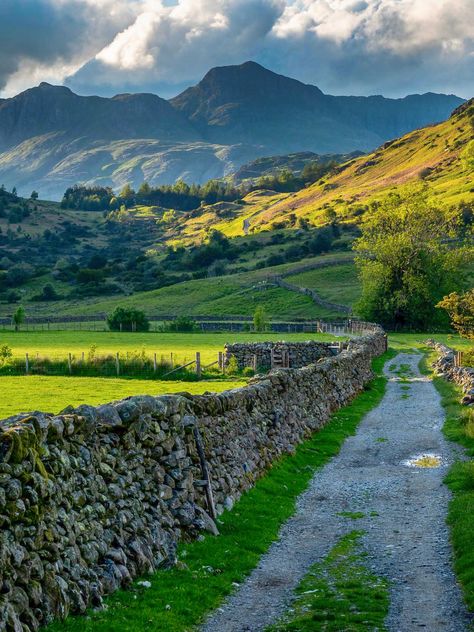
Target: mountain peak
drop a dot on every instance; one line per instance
(49, 87)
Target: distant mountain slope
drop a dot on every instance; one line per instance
(51, 138)
(51, 109)
(270, 165)
(442, 156)
(249, 103)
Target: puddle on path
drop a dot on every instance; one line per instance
(426, 460)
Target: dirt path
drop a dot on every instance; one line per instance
(405, 510)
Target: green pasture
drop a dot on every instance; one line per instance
(53, 394)
(339, 284)
(57, 344)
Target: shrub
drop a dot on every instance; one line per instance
(128, 319)
(232, 366)
(5, 354)
(260, 319)
(182, 324)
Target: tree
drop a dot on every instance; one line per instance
(410, 255)
(260, 319)
(144, 189)
(128, 319)
(19, 318)
(34, 195)
(127, 192)
(460, 308)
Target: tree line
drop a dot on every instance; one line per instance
(187, 197)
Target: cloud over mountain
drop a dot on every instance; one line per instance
(358, 46)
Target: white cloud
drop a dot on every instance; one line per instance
(364, 46)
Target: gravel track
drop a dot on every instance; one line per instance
(406, 537)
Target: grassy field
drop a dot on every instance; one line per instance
(53, 394)
(57, 344)
(179, 598)
(339, 284)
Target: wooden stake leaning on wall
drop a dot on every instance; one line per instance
(205, 473)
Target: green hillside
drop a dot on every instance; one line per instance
(233, 294)
(441, 156)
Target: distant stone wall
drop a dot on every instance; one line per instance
(300, 353)
(446, 366)
(95, 496)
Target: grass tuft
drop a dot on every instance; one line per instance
(339, 593)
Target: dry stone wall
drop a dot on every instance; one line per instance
(95, 496)
(446, 366)
(300, 353)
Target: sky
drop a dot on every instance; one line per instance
(389, 47)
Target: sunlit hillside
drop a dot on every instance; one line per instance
(442, 156)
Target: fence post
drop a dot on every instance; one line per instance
(198, 364)
(27, 364)
(117, 363)
(69, 363)
(154, 363)
(82, 357)
(172, 360)
(220, 361)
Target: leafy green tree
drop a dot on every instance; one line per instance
(34, 195)
(19, 318)
(260, 319)
(410, 255)
(460, 308)
(128, 319)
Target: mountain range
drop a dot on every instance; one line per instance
(51, 138)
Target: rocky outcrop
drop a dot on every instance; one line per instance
(94, 496)
(446, 367)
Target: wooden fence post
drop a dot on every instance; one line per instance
(27, 364)
(172, 360)
(117, 364)
(220, 361)
(69, 363)
(198, 364)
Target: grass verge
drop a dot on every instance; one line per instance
(459, 427)
(181, 597)
(339, 593)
